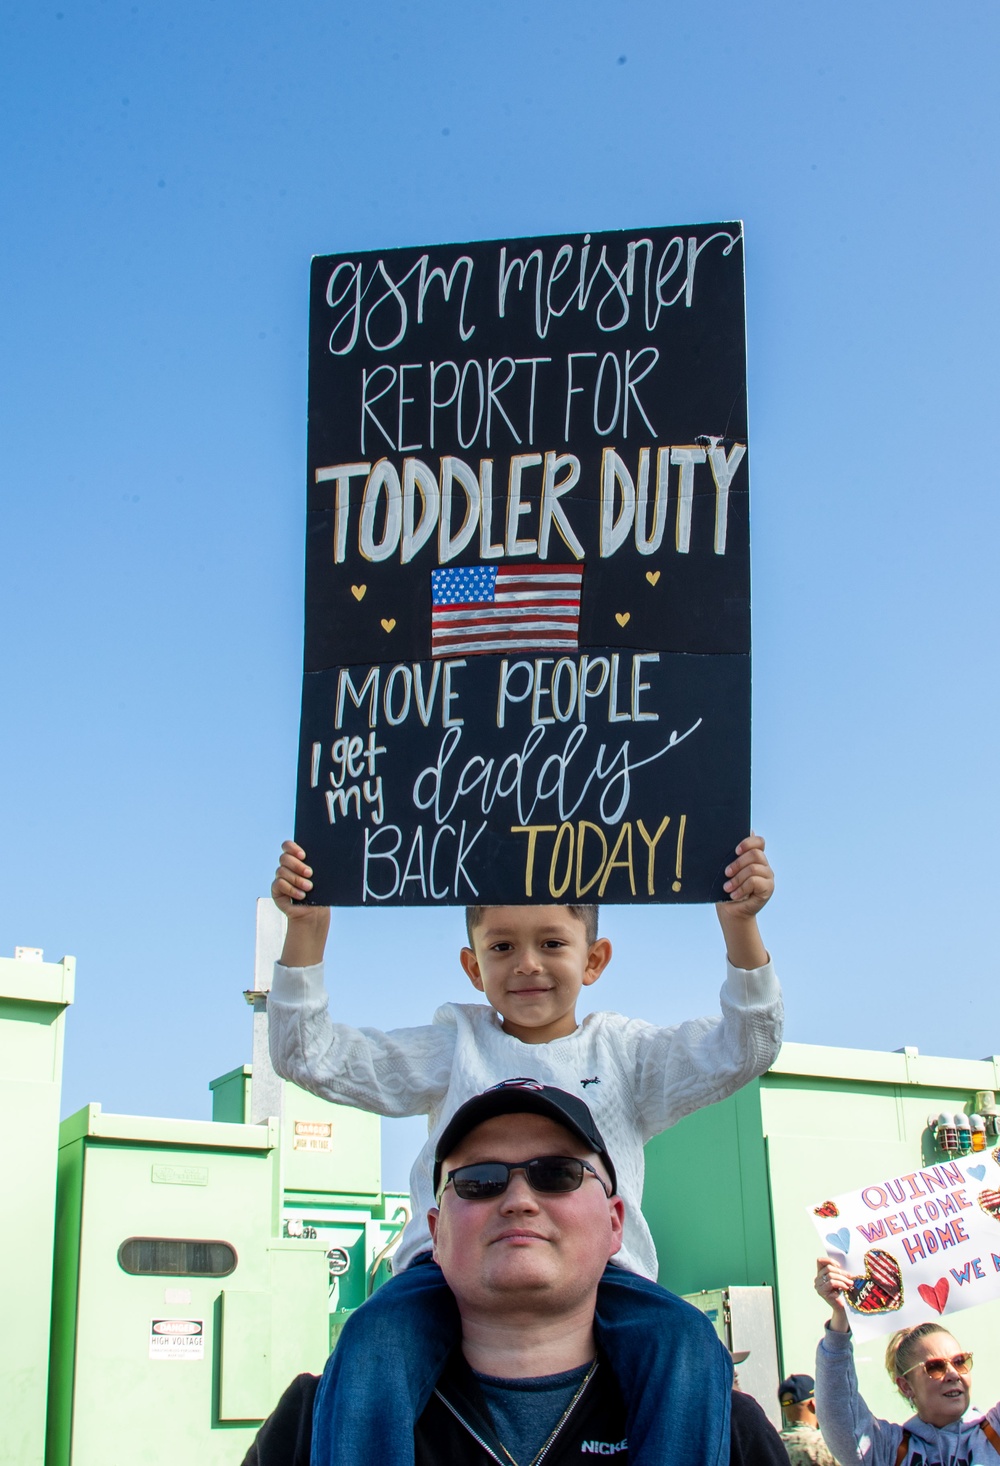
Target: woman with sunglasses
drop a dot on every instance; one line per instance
(930, 1370)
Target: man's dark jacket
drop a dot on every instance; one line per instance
(454, 1429)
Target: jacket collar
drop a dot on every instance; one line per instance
(458, 1390)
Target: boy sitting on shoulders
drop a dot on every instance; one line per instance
(531, 963)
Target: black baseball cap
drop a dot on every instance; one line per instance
(796, 1389)
(523, 1097)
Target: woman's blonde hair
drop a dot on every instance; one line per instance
(899, 1350)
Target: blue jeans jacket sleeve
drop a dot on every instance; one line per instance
(673, 1372)
(675, 1375)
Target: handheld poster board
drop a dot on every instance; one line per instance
(919, 1245)
(527, 648)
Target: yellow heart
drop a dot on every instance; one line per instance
(651, 575)
(623, 617)
(388, 625)
(358, 592)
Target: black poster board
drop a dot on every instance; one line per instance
(527, 649)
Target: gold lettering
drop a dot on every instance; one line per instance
(532, 832)
(582, 890)
(624, 836)
(652, 844)
(556, 891)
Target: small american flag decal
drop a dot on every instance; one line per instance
(502, 608)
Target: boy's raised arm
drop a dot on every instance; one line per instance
(305, 939)
(402, 1072)
(750, 883)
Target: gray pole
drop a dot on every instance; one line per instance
(267, 1091)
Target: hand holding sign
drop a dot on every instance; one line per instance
(832, 1282)
(305, 939)
(292, 880)
(750, 879)
(750, 885)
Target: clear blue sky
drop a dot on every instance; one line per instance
(169, 169)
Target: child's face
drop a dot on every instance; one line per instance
(531, 962)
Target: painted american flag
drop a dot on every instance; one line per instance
(503, 608)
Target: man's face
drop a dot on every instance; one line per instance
(525, 1248)
(531, 962)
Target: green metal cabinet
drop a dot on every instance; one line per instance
(34, 996)
(288, 1218)
(179, 1313)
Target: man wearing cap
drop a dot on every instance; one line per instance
(527, 1219)
(528, 1216)
(803, 1441)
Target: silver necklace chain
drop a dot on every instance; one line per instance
(535, 1460)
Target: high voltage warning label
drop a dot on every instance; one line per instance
(177, 1338)
(313, 1135)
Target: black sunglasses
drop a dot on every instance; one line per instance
(550, 1174)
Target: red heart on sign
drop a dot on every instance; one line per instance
(880, 1290)
(935, 1297)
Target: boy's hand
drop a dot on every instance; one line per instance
(750, 883)
(305, 938)
(292, 881)
(750, 878)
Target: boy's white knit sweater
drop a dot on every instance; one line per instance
(637, 1079)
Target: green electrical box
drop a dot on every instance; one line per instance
(201, 1265)
(34, 996)
(179, 1313)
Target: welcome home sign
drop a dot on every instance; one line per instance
(527, 643)
(919, 1245)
